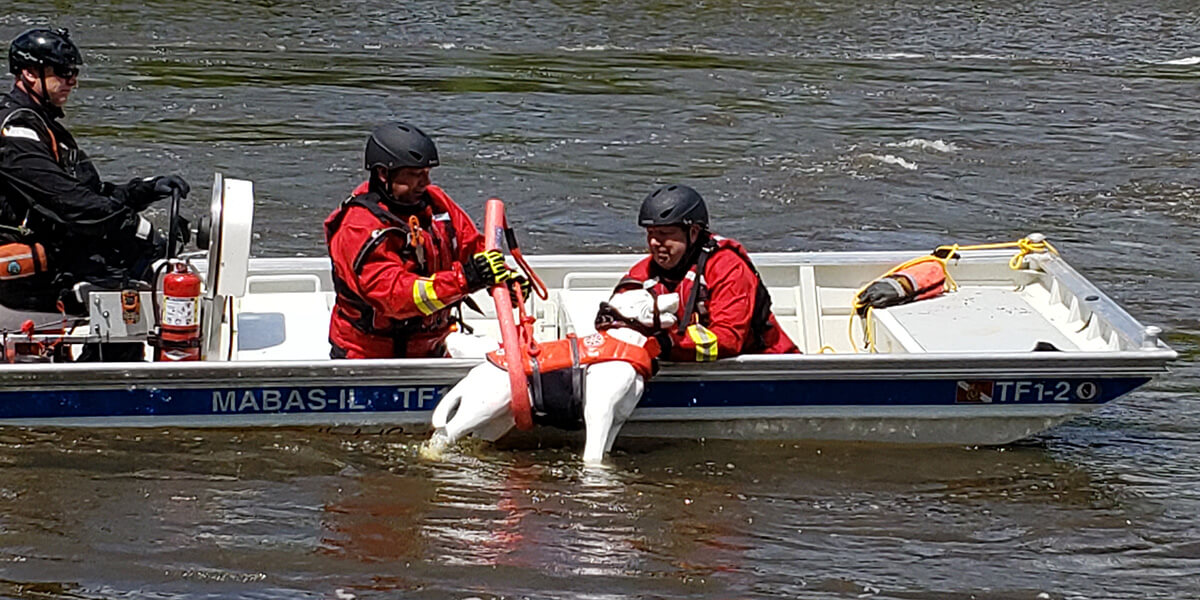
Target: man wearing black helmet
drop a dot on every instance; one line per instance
(724, 309)
(404, 254)
(51, 195)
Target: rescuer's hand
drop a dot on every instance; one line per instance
(485, 269)
(519, 280)
(141, 193)
(167, 185)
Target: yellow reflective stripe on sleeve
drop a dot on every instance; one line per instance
(425, 297)
(705, 340)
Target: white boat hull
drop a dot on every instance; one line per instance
(958, 369)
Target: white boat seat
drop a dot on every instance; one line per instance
(580, 298)
(284, 318)
(973, 319)
(577, 309)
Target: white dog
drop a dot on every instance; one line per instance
(479, 405)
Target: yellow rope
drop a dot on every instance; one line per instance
(1025, 247)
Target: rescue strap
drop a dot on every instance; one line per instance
(556, 372)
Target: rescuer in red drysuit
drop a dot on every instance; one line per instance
(404, 254)
(729, 312)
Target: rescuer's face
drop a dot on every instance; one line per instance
(668, 243)
(407, 184)
(60, 82)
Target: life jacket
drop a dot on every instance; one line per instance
(18, 260)
(365, 321)
(695, 307)
(556, 375)
(15, 209)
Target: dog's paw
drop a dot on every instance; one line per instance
(462, 345)
(435, 447)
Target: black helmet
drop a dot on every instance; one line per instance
(673, 205)
(398, 145)
(43, 48)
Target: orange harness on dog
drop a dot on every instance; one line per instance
(574, 352)
(556, 375)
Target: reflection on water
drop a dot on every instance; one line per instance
(807, 125)
(304, 511)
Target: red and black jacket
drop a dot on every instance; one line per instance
(397, 277)
(722, 292)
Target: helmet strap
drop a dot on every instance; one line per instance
(44, 96)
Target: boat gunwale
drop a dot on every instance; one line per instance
(1147, 363)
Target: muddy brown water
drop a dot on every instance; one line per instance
(807, 126)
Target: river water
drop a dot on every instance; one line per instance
(807, 125)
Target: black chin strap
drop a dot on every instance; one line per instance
(690, 254)
(45, 92)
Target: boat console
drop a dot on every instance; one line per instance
(131, 315)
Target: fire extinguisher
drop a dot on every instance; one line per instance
(179, 338)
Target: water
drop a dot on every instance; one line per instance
(807, 125)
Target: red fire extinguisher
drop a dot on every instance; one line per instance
(180, 335)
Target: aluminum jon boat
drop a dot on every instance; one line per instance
(1009, 354)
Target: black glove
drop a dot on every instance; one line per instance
(166, 185)
(141, 193)
(520, 280)
(484, 269)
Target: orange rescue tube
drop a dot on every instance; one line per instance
(494, 224)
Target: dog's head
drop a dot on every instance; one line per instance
(639, 310)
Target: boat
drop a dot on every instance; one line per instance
(1009, 354)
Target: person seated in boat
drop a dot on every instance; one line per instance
(404, 254)
(53, 200)
(725, 309)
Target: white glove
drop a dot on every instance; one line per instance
(640, 305)
(668, 306)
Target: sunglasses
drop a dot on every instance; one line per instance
(66, 72)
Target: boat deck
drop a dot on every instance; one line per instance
(285, 313)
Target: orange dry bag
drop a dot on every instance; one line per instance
(915, 280)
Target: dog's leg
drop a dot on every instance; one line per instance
(624, 408)
(607, 404)
(479, 404)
